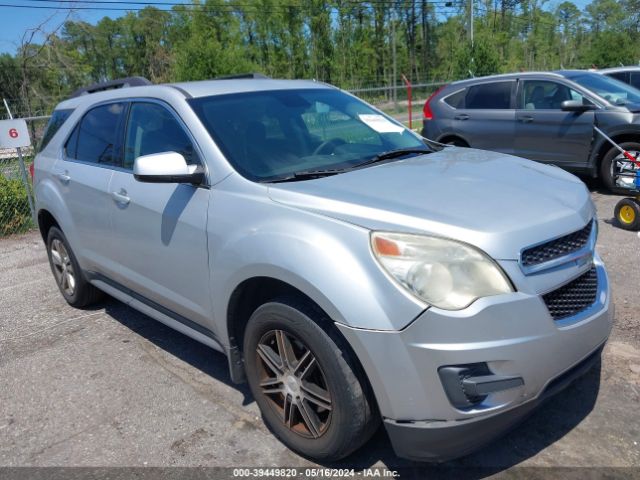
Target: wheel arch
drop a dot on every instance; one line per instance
(253, 292)
(46, 220)
(602, 146)
(451, 137)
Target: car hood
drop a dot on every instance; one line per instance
(496, 202)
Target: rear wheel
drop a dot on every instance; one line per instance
(627, 213)
(614, 163)
(308, 388)
(75, 289)
(457, 142)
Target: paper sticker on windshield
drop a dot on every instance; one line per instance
(380, 124)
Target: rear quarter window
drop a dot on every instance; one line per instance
(489, 96)
(58, 117)
(635, 79)
(456, 100)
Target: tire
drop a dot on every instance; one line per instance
(74, 287)
(606, 173)
(457, 142)
(324, 361)
(627, 213)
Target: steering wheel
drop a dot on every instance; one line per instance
(327, 147)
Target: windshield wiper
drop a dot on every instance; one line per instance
(307, 175)
(311, 174)
(392, 154)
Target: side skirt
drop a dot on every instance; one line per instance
(157, 312)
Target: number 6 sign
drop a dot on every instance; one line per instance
(14, 134)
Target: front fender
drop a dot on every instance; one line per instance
(328, 260)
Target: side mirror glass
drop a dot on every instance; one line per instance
(166, 167)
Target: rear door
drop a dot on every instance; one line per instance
(546, 133)
(159, 229)
(83, 174)
(486, 118)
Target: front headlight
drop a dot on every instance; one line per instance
(444, 273)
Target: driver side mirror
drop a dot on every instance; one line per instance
(166, 167)
(576, 106)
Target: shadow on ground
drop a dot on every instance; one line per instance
(554, 419)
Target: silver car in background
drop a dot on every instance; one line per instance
(351, 273)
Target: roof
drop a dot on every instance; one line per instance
(220, 87)
(507, 76)
(202, 88)
(630, 68)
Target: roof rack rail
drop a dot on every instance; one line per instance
(243, 76)
(111, 85)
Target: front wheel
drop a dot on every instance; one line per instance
(615, 163)
(308, 388)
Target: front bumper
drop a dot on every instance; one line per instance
(512, 334)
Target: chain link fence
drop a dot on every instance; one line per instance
(16, 190)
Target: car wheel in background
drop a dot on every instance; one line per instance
(75, 289)
(308, 388)
(611, 166)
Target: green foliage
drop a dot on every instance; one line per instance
(15, 216)
(351, 44)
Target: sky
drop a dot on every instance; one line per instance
(15, 21)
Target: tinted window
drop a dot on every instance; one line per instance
(545, 95)
(622, 76)
(153, 129)
(612, 90)
(58, 117)
(494, 96)
(456, 100)
(274, 134)
(96, 135)
(635, 79)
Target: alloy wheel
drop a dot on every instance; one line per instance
(622, 165)
(293, 383)
(62, 267)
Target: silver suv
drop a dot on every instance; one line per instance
(351, 273)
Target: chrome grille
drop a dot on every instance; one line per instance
(556, 248)
(574, 297)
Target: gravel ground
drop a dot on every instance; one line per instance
(111, 387)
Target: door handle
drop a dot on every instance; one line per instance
(526, 119)
(121, 197)
(462, 116)
(63, 177)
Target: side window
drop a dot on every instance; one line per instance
(492, 96)
(58, 117)
(456, 100)
(546, 95)
(622, 76)
(94, 139)
(153, 129)
(635, 79)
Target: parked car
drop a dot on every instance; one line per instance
(350, 273)
(630, 75)
(542, 116)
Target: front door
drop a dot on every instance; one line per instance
(546, 133)
(159, 229)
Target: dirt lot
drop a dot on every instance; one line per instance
(110, 386)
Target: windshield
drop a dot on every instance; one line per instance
(270, 135)
(612, 90)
